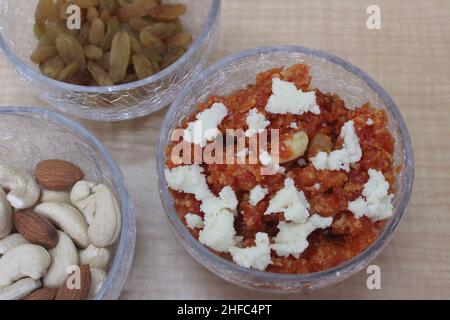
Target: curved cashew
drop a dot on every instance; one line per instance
(6, 222)
(99, 206)
(69, 219)
(63, 256)
(19, 289)
(95, 257)
(297, 145)
(26, 260)
(55, 196)
(24, 191)
(98, 277)
(11, 241)
(80, 196)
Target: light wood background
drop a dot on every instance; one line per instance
(410, 57)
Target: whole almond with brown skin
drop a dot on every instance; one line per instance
(36, 229)
(42, 294)
(58, 175)
(65, 292)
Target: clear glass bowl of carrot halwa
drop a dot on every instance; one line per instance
(108, 60)
(343, 180)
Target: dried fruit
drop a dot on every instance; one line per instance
(44, 50)
(171, 57)
(120, 55)
(70, 50)
(105, 16)
(53, 29)
(103, 62)
(58, 175)
(134, 10)
(76, 290)
(138, 47)
(125, 40)
(137, 24)
(112, 28)
(51, 67)
(162, 30)
(83, 4)
(39, 30)
(44, 10)
(92, 13)
(110, 5)
(152, 42)
(142, 66)
(97, 31)
(42, 294)
(100, 76)
(93, 52)
(68, 71)
(167, 12)
(35, 229)
(181, 39)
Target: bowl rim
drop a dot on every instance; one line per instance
(34, 73)
(347, 268)
(124, 253)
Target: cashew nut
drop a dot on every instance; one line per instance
(26, 260)
(63, 256)
(101, 210)
(80, 196)
(11, 241)
(98, 277)
(69, 219)
(24, 191)
(95, 257)
(297, 145)
(6, 222)
(55, 196)
(19, 289)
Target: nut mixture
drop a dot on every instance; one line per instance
(51, 224)
(120, 41)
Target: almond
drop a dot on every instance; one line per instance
(42, 294)
(36, 229)
(58, 175)
(66, 292)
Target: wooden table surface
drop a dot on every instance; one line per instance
(409, 56)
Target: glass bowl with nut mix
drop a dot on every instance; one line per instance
(290, 171)
(67, 231)
(108, 60)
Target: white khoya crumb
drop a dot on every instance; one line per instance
(293, 125)
(286, 98)
(257, 194)
(317, 186)
(194, 221)
(375, 202)
(292, 237)
(291, 202)
(265, 158)
(188, 179)
(341, 159)
(219, 233)
(370, 122)
(256, 122)
(205, 128)
(256, 257)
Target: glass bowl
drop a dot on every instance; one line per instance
(29, 135)
(329, 74)
(115, 103)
